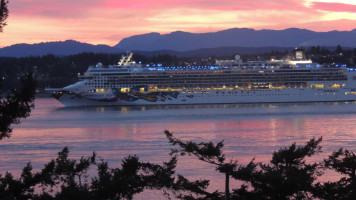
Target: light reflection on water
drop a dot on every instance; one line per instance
(249, 130)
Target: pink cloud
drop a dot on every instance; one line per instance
(252, 5)
(82, 8)
(204, 4)
(52, 8)
(334, 7)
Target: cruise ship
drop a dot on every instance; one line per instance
(227, 82)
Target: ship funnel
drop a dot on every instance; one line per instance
(299, 53)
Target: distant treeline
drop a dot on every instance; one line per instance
(59, 71)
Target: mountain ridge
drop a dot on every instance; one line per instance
(182, 43)
(241, 37)
(60, 48)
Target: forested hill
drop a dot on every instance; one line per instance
(237, 37)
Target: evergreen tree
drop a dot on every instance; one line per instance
(207, 152)
(60, 173)
(342, 161)
(16, 105)
(288, 176)
(64, 178)
(4, 13)
(338, 49)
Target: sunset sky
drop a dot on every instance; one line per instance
(109, 21)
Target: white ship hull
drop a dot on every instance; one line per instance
(220, 97)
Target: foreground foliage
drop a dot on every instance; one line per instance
(17, 104)
(342, 161)
(286, 176)
(4, 13)
(64, 178)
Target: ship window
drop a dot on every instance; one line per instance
(336, 85)
(317, 86)
(101, 90)
(125, 90)
(348, 93)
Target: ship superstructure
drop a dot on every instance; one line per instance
(229, 81)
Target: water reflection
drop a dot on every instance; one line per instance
(220, 106)
(249, 130)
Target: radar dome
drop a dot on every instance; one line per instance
(99, 65)
(237, 57)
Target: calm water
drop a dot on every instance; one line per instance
(115, 132)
